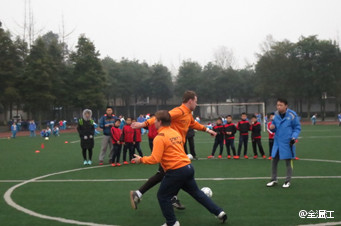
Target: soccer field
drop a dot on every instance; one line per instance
(62, 188)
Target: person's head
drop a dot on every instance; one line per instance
(163, 118)
(272, 115)
(229, 118)
(219, 121)
(128, 120)
(117, 123)
(282, 105)
(190, 99)
(108, 110)
(14, 124)
(87, 113)
(254, 118)
(243, 116)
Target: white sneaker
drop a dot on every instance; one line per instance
(286, 185)
(222, 216)
(175, 224)
(85, 163)
(272, 183)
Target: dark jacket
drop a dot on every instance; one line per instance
(86, 130)
(256, 131)
(220, 130)
(230, 127)
(104, 120)
(243, 126)
(190, 133)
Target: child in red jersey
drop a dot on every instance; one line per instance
(128, 140)
(256, 137)
(116, 134)
(271, 135)
(219, 139)
(138, 140)
(230, 130)
(152, 132)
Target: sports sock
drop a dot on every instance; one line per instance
(139, 194)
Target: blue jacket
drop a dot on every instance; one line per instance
(287, 128)
(32, 127)
(104, 120)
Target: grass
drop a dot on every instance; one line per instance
(247, 202)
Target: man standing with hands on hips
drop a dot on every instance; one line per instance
(287, 128)
(106, 122)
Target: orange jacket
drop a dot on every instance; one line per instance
(168, 150)
(182, 119)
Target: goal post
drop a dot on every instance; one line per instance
(215, 110)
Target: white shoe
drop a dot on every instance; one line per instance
(286, 185)
(272, 183)
(85, 163)
(89, 162)
(175, 224)
(222, 216)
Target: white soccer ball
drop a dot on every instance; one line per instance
(46, 138)
(190, 156)
(207, 191)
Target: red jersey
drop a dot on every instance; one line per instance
(138, 137)
(271, 134)
(152, 132)
(128, 134)
(116, 134)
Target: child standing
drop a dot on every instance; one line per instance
(32, 128)
(243, 126)
(152, 132)
(86, 130)
(219, 139)
(138, 139)
(116, 134)
(230, 130)
(127, 139)
(14, 129)
(271, 135)
(256, 137)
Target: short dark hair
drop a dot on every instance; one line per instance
(109, 107)
(117, 120)
(282, 100)
(220, 119)
(131, 118)
(188, 95)
(229, 116)
(254, 116)
(164, 117)
(272, 113)
(243, 113)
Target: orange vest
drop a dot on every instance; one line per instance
(168, 150)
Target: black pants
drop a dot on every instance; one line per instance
(116, 149)
(220, 142)
(271, 144)
(153, 180)
(230, 143)
(137, 146)
(150, 143)
(243, 139)
(129, 146)
(190, 141)
(84, 153)
(255, 143)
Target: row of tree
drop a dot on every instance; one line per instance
(48, 75)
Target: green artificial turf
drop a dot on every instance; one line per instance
(241, 189)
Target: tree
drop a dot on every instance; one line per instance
(88, 77)
(188, 77)
(224, 57)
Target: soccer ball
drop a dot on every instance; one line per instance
(207, 191)
(190, 156)
(46, 138)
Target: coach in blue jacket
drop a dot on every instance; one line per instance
(287, 127)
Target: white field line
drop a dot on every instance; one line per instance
(139, 179)
(77, 141)
(322, 224)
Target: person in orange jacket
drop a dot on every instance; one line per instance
(179, 173)
(182, 120)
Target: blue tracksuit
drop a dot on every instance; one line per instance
(104, 120)
(287, 128)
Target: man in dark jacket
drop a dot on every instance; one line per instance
(106, 122)
(190, 140)
(86, 132)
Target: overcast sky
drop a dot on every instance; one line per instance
(169, 31)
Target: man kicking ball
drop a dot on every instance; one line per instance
(182, 119)
(179, 173)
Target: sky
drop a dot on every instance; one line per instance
(170, 31)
